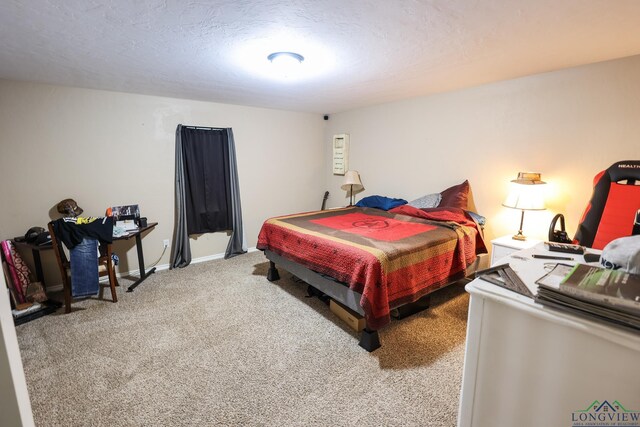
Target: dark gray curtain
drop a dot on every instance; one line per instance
(237, 243)
(181, 250)
(207, 190)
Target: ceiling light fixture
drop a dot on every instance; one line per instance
(286, 65)
(259, 57)
(285, 57)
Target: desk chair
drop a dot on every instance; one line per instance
(105, 268)
(613, 206)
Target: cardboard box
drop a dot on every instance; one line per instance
(353, 319)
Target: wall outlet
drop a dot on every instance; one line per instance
(165, 243)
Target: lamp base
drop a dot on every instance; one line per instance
(520, 236)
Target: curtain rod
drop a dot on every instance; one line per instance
(202, 128)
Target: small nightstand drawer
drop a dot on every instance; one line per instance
(505, 246)
(500, 252)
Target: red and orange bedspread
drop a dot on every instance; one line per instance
(391, 258)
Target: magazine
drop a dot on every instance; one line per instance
(594, 292)
(554, 277)
(612, 288)
(588, 310)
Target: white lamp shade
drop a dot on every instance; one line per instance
(526, 192)
(352, 183)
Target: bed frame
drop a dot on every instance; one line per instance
(369, 339)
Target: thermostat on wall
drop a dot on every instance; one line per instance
(340, 154)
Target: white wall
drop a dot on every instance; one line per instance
(107, 148)
(568, 125)
(15, 406)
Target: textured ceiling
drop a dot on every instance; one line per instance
(358, 52)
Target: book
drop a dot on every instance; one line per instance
(26, 309)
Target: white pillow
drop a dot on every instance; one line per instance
(428, 201)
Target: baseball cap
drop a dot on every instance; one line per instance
(69, 207)
(623, 254)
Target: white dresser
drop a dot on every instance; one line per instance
(528, 365)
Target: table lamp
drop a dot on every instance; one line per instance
(352, 185)
(526, 193)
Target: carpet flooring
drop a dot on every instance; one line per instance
(217, 344)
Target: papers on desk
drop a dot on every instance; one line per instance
(124, 228)
(600, 294)
(127, 225)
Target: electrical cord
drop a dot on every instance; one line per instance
(155, 263)
(158, 260)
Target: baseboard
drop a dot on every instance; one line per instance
(161, 267)
(54, 288)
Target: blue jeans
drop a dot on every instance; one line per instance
(84, 268)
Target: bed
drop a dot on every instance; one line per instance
(374, 261)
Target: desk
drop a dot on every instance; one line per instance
(35, 252)
(529, 365)
(138, 235)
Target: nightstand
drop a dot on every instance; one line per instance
(506, 245)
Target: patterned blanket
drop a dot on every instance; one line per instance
(391, 258)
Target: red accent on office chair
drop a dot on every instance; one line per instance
(612, 209)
